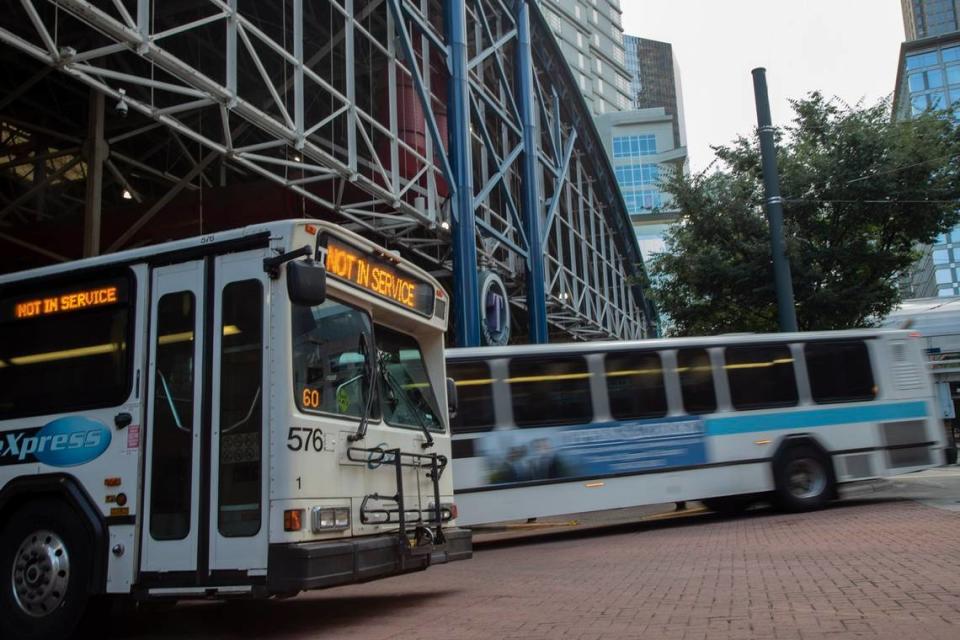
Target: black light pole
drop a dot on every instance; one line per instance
(771, 185)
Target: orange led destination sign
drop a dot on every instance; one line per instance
(67, 301)
(379, 277)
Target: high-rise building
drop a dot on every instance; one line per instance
(655, 80)
(928, 78)
(591, 37)
(648, 142)
(925, 18)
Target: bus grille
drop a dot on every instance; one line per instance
(905, 443)
(907, 376)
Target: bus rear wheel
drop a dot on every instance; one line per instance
(804, 479)
(44, 572)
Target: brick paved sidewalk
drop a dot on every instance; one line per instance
(868, 570)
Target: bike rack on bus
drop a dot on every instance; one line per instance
(425, 540)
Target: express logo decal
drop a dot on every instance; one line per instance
(65, 442)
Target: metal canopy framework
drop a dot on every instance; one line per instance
(452, 130)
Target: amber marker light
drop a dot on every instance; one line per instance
(594, 485)
(293, 520)
(765, 441)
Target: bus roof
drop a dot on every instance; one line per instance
(274, 229)
(668, 343)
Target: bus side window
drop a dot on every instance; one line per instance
(635, 385)
(474, 396)
(170, 484)
(696, 381)
(56, 358)
(241, 401)
(549, 391)
(839, 372)
(761, 376)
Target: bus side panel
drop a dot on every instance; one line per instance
(91, 447)
(610, 493)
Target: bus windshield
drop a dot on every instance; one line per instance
(408, 398)
(329, 359)
(331, 365)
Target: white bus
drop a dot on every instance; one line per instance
(220, 417)
(558, 429)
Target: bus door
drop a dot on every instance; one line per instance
(204, 479)
(238, 515)
(175, 375)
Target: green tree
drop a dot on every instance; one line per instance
(861, 193)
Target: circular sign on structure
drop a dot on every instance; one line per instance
(494, 310)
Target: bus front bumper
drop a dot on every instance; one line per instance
(318, 565)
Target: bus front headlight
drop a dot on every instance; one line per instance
(329, 519)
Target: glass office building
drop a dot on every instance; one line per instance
(926, 18)
(929, 79)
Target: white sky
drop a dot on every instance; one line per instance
(844, 48)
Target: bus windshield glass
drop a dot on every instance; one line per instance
(330, 355)
(405, 389)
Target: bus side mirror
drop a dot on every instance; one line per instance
(306, 282)
(451, 397)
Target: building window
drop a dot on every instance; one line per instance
(944, 276)
(953, 74)
(642, 201)
(634, 146)
(920, 60)
(636, 175)
(555, 23)
(941, 256)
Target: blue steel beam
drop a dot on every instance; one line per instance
(467, 307)
(530, 186)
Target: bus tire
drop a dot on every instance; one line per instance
(804, 479)
(728, 505)
(45, 565)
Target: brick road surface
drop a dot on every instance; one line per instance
(858, 570)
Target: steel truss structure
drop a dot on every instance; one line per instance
(452, 130)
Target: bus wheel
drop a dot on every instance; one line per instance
(804, 479)
(45, 560)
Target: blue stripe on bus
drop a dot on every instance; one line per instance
(815, 418)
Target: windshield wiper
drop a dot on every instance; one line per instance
(369, 373)
(398, 389)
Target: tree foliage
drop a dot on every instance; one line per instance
(861, 193)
